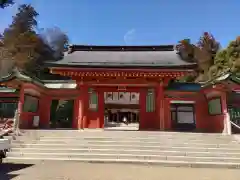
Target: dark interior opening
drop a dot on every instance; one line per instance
(115, 113)
(183, 117)
(233, 103)
(61, 114)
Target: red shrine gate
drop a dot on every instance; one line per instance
(157, 107)
(112, 82)
(145, 70)
(94, 96)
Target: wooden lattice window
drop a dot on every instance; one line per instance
(7, 109)
(215, 106)
(31, 104)
(93, 100)
(150, 101)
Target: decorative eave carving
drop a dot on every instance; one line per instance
(120, 74)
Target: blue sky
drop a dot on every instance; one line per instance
(135, 22)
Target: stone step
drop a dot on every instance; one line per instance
(134, 139)
(125, 134)
(181, 152)
(133, 145)
(88, 130)
(162, 148)
(120, 138)
(8, 137)
(196, 164)
(118, 133)
(129, 146)
(150, 143)
(101, 137)
(131, 142)
(124, 156)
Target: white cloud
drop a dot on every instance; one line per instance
(129, 36)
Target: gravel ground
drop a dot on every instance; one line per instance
(55, 170)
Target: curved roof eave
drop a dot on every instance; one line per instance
(16, 74)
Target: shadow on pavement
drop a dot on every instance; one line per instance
(7, 170)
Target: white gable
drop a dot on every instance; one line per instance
(61, 85)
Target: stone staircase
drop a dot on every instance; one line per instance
(163, 148)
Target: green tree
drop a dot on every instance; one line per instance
(20, 39)
(5, 59)
(202, 53)
(226, 60)
(5, 3)
(26, 49)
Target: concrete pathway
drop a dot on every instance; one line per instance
(50, 170)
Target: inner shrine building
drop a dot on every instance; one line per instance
(110, 83)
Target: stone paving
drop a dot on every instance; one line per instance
(59, 170)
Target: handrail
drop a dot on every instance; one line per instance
(15, 127)
(235, 125)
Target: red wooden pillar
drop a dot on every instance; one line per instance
(142, 114)
(83, 107)
(160, 105)
(22, 123)
(101, 108)
(44, 110)
(76, 113)
(225, 123)
(224, 102)
(167, 115)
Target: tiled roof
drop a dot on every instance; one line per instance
(128, 57)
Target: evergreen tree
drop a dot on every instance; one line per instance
(208, 44)
(28, 50)
(203, 53)
(5, 59)
(226, 60)
(20, 39)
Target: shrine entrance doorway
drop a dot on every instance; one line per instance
(233, 104)
(183, 117)
(61, 114)
(121, 110)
